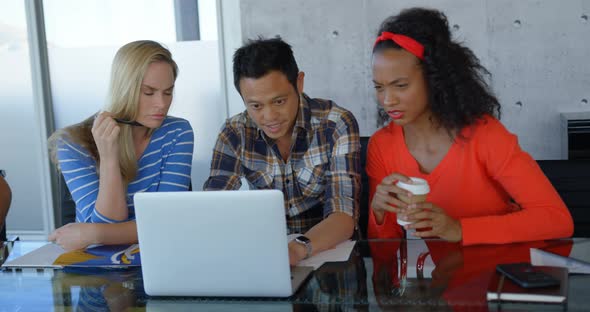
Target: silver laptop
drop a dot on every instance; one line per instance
(222, 243)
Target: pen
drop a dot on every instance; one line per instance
(128, 122)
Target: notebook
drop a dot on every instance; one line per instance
(221, 243)
(503, 289)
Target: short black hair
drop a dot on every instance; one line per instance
(260, 56)
(458, 91)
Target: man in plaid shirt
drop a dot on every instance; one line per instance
(307, 148)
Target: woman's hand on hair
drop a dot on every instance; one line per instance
(434, 221)
(385, 197)
(73, 236)
(105, 132)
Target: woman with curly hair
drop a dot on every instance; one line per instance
(484, 189)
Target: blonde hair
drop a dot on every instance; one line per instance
(127, 73)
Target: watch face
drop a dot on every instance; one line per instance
(303, 239)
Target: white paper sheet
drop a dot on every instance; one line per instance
(339, 253)
(541, 257)
(43, 257)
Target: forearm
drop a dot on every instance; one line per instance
(3, 211)
(116, 233)
(336, 228)
(5, 199)
(110, 201)
(529, 224)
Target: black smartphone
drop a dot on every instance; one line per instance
(526, 275)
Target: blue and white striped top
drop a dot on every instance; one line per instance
(165, 166)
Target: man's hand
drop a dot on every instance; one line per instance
(73, 236)
(297, 253)
(434, 219)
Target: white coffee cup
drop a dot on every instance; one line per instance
(419, 189)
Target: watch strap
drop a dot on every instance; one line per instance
(306, 242)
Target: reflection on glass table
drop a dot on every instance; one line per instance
(436, 276)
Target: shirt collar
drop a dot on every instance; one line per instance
(303, 120)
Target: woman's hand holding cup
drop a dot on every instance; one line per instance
(415, 190)
(434, 221)
(420, 214)
(386, 197)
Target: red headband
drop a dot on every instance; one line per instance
(405, 42)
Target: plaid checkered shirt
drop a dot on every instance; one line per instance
(321, 175)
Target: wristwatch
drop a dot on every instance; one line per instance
(306, 242)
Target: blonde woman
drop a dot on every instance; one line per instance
(133, 146)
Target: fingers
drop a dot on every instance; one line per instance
(428, 223)
(385, 197)
(428, 233)
(114, 133)
(394, 177)
(100, 118)
(104, 127)
(413, 214)
(387, 202)
(391, 190)
(425, 205)
(52, 237)
(388, 186)
(389, 199)
(418, 211)
(105, 132)
(434, 222)
(104, 124)
(422, 212)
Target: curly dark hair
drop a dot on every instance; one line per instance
(458, 92)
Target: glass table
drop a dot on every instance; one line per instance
(380, 275)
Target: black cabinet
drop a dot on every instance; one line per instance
(578, 137)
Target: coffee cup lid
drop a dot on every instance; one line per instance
(418, 186)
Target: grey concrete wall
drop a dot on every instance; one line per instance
(537, 52)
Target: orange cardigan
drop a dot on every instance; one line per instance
(477, 182)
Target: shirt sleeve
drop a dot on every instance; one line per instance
(377, 171)
(176, 171)
(344, 179)
(226, 167)
(543, 215)
(79, 171)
